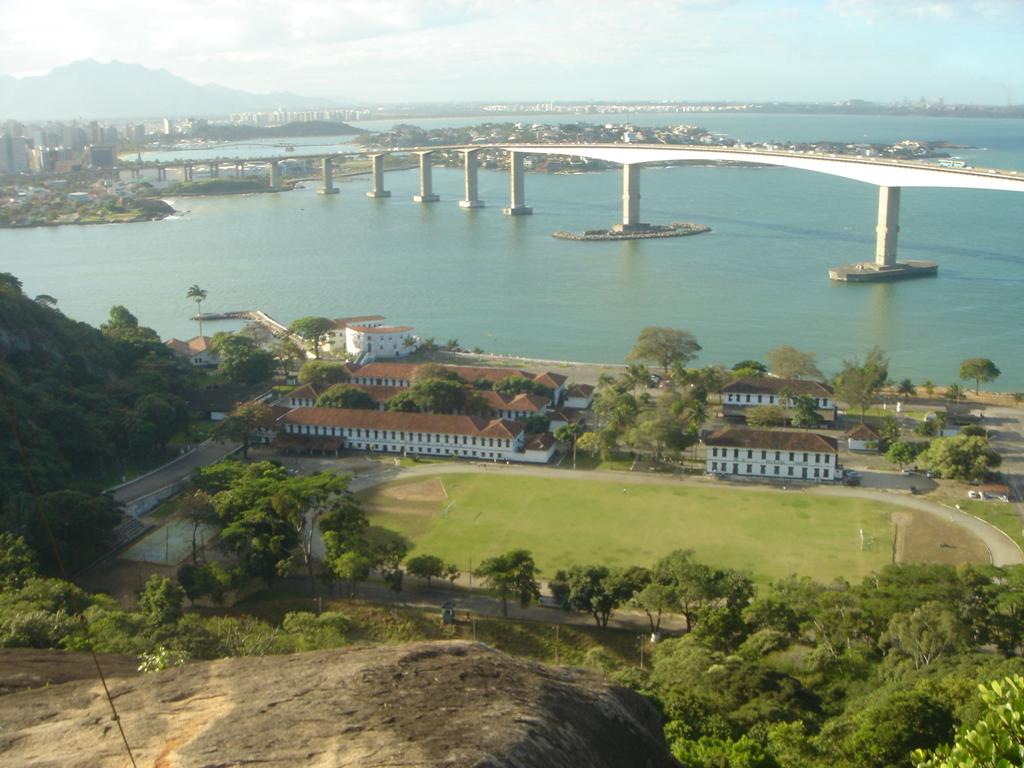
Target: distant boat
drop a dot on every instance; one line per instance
(953, 162)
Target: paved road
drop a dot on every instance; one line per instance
(178, 469)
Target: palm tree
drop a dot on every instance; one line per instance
(198, 295)
(570, 431)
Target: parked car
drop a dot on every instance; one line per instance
(976, 495)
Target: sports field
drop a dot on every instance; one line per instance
(768, 533)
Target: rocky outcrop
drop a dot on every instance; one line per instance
(421, 704)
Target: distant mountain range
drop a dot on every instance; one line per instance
(91, 89)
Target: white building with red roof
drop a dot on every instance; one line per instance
(771, 454)
(425, 434)
(367, 338)
(196, 350)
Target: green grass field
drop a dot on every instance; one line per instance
(770, 534)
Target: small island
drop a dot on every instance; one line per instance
(59, 202)
(636, 232)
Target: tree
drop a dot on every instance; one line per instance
(805, 412)
(923, 635)
(438, 395)
(664, 346)
(749, 368)
(590, 442)
(900, 453)
(962, 457)
(288, 354)
(346, 396)
(569, 433)
(404, 401)
(994, 741)
(515, 385)
(9, 283)
(315, 330)
(790, 363)
(980, 369)
(45, 300)
(906, 388)
(929, 387)
(81, 525)
(595, 589)
(322, 374)
(954, 392)
(160, 601)
(386, 550)
(351, 567)
(241, 359)
(435, 371)
(197, 508)
(17, 562)
(697, 586)
(244, 424)
(886, 733)
(889, 430)
(198, 295)
(858, 383)
(765, 416)
(656, 599)
(426, 567)
(513, 573)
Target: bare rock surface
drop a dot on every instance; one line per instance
(419, 704)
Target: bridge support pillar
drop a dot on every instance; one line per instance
(377, 177)
(517, 202)
(630, 201)
(426, 194)
(888, 226)
(161, 173)
(214, 170)
(471, 199)
(275, 175)
(186, 173)
(239, 170)
(327, 170)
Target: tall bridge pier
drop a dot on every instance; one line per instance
(275, 175)
(471, 200)
(214, 170)
(377, 176)
(186, 172)
(630, 200)
(327, 170)
(884, 267)
(426, 194)
(517, 203)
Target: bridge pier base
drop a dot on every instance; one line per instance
(471, 200)
(327, 170)
(426, 194)
(239, 170)
(517, 202)
(275, 175)
(885, 267)
(377, 177)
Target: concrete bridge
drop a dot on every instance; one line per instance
(889, 175)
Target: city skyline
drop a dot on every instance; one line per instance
(962, 51)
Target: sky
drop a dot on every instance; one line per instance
(389, 51)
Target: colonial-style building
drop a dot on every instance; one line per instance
(863, 438)
(367, 338)
(579, 396)
(196, 350)
(772, 454)
(521, 406)
(739, 395)
(385, 374)
(425, 434)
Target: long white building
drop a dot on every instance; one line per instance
(426, 434)
(772, 454)
(739, 395)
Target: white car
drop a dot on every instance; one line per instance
(978, 495)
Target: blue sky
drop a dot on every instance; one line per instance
(478, 50)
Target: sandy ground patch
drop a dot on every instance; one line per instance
(924, 538)
(431, 489)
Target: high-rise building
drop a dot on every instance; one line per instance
(13, 154)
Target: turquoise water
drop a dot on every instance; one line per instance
(757, 281)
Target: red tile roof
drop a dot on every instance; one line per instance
(306, 392)
(581, 390)
(523, 402)
(381, 328)
(406, 422)
(542, 441)
(468, 373)
(863, 432)
(773, 385)
(189, 348)
(550, 380)
(777, 440)
(341, 322)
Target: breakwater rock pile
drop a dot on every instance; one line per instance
(676, 229)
